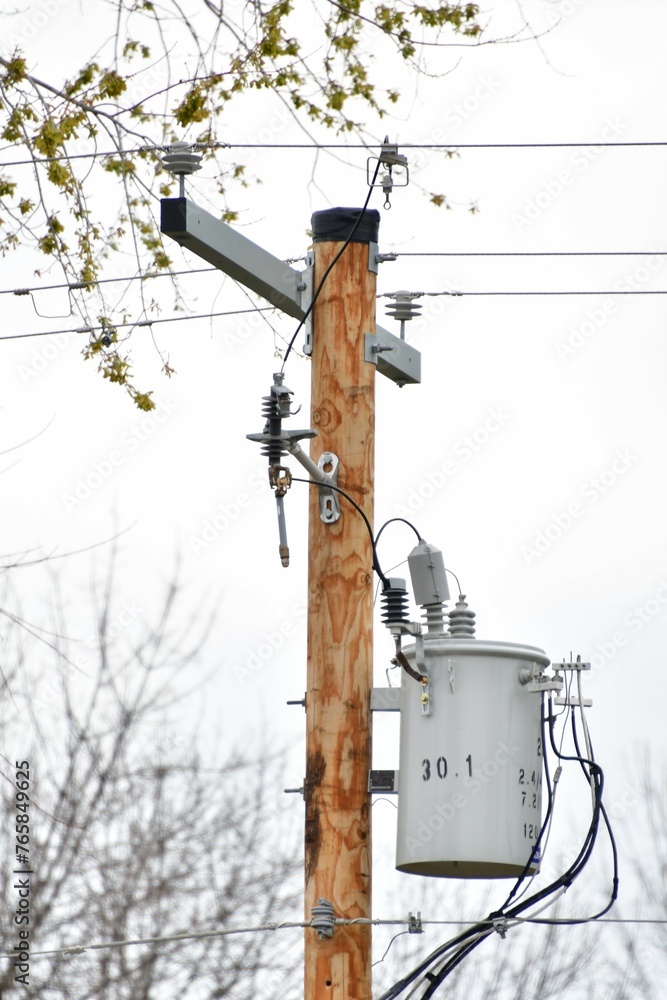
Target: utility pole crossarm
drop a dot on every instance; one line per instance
(216, 242)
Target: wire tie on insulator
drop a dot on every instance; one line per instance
(323, 918)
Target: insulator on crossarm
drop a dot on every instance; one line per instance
(462, 620)
(402, 307)
(181, 158)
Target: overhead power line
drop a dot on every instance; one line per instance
(133, 323)
(444, 146)
(293, 924)
(460, 294)
(239, 312)
(530, 253)
(74, 286)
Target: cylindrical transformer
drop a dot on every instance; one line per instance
(470, 779)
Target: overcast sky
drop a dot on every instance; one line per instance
(533, 452)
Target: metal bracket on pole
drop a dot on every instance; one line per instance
(383, 782)
(306, 288)
(236, 255)
(329, 505)
(386, 699)
(394, 357)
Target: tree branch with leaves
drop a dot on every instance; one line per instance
(86, 212)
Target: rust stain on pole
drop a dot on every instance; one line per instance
(340, 604)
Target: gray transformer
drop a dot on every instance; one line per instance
(471, 758)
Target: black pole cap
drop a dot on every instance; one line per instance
(335, 225)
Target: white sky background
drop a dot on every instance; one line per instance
(600, 589)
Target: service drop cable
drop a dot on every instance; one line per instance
(432, 971)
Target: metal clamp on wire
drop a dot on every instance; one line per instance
(391, 159)
(501, 926)
(323, 918)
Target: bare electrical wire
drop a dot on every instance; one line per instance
(75, 286)
(582, 144)
(531, 253)
(79, 949)
(460, 294)
(135, 323)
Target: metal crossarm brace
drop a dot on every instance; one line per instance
(216, 242)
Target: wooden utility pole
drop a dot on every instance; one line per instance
(340, 607)
(347, 348)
